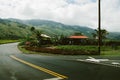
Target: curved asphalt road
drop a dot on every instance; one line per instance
(14, 65)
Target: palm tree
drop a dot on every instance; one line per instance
(104, 33)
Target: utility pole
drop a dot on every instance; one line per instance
(99, 26)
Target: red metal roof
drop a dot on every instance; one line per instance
(78, 37)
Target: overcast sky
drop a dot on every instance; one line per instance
(72, 12)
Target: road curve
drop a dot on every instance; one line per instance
(14, 65)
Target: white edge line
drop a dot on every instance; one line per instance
(97, 63)
(53, 79)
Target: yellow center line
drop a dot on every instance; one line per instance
(39, 68)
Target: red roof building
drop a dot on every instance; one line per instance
(78, 37)
(77, 40)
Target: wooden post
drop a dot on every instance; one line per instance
(99, 27)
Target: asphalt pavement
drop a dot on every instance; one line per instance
(15, 65)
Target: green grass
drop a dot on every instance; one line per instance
(7, 41)
(111, 51)
(75, 47)
(105, 50)
(33, 52)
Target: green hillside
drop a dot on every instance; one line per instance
(55, 28)
(12, 30)
(52, 27)
(114, 35)
(16, 29)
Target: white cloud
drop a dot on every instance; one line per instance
(111, 15)
(74, 12)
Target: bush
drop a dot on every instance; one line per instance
(64, 51)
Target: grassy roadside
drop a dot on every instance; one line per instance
(33, 52)
(8, 41)
(112, 52)
(105, 50)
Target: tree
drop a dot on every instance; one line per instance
(32, 29)
(37, 35)
(104, 33)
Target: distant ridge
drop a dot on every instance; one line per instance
(52, 27)
(17, 28)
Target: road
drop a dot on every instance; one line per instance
(14, 65)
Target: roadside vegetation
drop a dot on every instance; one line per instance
(76, 47)
(105, 50)
(60, 44)
(8, 41)
(53, 38)
(111, 51)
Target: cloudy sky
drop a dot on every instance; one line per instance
(72, 12)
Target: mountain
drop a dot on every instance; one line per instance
(114, 35)
(12, 30)
(55, 28)
(52, 28)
